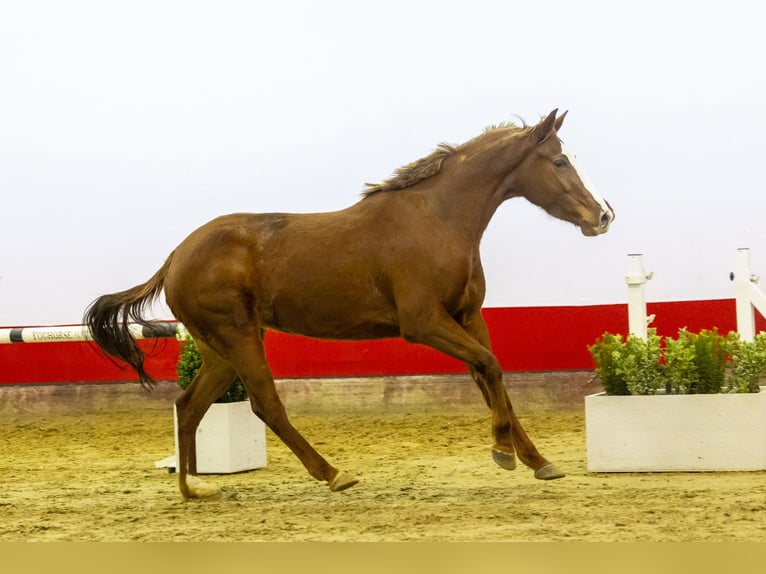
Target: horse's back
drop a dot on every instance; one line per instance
(312, 274)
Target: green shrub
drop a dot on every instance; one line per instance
(681, 363)
(691, 363)
(189, 364)
(630, 366)
(695, 363)
(712, 352)
(606, 352)
(748, 364)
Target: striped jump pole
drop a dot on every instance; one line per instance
(58, 333)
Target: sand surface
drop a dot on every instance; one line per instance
(424, 475)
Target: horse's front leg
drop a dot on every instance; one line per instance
(436, 328)
(525, 448)
(528, 453)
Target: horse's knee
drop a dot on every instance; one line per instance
(490, 370)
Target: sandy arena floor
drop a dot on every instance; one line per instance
(425, 474)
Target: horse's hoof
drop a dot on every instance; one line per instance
(506, 460)
(549, 472)
(202, 490)
(342, 481)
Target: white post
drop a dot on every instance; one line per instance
(749, 296)
(636, 279)
(745, 316)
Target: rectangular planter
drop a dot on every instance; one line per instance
(676, 433)
(230, 438)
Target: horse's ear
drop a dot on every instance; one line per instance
(545, 128)
(560, 120)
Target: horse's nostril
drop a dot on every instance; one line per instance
(605, 219)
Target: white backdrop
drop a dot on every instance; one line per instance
(125, 125)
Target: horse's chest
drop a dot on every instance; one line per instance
(455, 282)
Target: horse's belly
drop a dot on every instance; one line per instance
(333, 321)
(341, 332)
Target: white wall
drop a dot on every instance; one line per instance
(125, 126)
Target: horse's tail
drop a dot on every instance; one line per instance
(108, 318)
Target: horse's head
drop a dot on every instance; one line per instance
(549, 177)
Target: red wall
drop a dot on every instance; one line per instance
(524, 339)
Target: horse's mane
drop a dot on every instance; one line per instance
(423, 168)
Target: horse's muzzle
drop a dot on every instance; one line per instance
(607, 216)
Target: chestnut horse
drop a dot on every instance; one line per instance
(401, 262)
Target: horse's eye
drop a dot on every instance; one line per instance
(560, 163)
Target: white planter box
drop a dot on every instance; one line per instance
(230, 438)
(676, 433)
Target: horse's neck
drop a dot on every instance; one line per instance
(467, 204)
(472, 183)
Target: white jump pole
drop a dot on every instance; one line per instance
(57, 334)
(636, 279)
(748, 296)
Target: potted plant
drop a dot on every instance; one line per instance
(230, 438)
(688, 403)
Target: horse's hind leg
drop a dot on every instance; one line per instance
(211, 381)
(248, 357)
